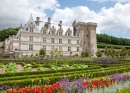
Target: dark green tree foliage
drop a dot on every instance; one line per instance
(42, 52)
(112, 40)
(6, 32)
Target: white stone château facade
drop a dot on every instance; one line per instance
(35, 35)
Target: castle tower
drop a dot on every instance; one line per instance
(87, 34)
(92, 40)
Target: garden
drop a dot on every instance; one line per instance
(75, 75)
(110, 74)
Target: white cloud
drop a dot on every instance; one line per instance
(119, 1)
(15, 12)
(68, 15)
(114, 19)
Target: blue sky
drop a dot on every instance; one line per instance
(112, 16)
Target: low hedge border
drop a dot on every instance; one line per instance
(50, 80)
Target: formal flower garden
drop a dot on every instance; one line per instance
(75, 75)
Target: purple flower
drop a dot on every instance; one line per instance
(1, 88)
(74, 86)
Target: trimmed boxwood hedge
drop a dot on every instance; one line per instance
(53, 77)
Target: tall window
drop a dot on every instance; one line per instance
(52, 47)
(44, 32)
(44, 40)
(60, 47)
(60, 40)
(52, 40)
(60, 33)
(69, 41)
(77, 41)
(44, 47)
(69, 48)
(31, 29)
(77, 48)
(30, 47)
(30, 38)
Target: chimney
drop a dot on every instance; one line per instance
(49, 20)
(37, 20)
(60, 24)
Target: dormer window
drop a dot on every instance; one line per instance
(60, 33)
(44, 32)
(31, 29)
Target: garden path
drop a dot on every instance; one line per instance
(2, 69)
(20, 68)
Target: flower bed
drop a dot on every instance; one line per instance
(107, 85)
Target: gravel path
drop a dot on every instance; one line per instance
(20, 68)
(2, 69)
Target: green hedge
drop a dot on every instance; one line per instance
(44, 72)
(53, 78)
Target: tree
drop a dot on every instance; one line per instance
(112, 40)
(6, 32)
(42, 52)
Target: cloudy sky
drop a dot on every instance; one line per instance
(112, 16)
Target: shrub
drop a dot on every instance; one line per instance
(42, 52)
(84, 54)
(99, 53)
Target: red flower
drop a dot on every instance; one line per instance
(84, 84)
(26, 89)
